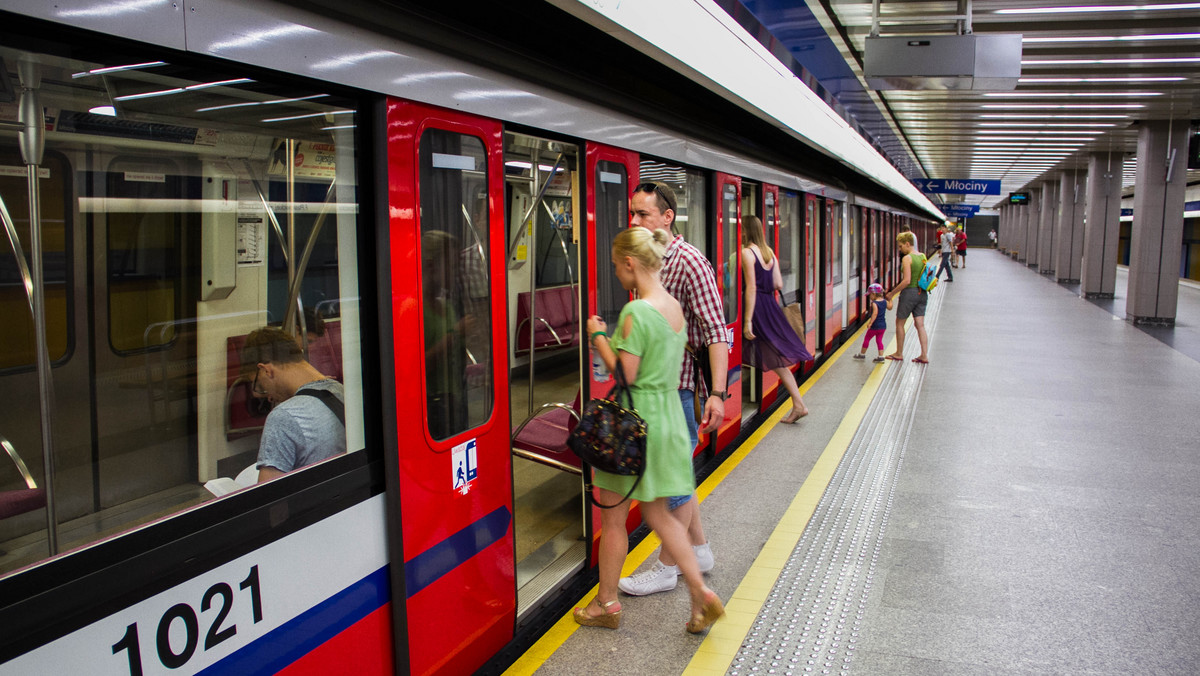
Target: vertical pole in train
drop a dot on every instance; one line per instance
(32, 139)
(289, 314)
(531, 218)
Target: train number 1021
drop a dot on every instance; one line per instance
(218, 596)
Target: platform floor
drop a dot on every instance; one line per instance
(1040, 517)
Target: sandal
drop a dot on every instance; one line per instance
(792, 418)
(710, 612)
(606, 619)
(895, 357)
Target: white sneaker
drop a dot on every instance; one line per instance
(704, 557)
(659, 578)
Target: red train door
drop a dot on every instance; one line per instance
(833, 279)
(812, 226)
(452, 572)
(770, 219)
(729, 221)
(611, 176)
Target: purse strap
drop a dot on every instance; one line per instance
(588, 486)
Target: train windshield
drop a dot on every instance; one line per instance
(171, 221)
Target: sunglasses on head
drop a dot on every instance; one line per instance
(655, 188)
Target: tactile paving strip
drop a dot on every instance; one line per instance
(812, 619)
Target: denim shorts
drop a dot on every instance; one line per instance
(688, 399)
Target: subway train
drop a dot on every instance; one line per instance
(432, 219)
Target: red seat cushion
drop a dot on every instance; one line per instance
(13, 503)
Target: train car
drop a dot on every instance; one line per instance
(429, 229)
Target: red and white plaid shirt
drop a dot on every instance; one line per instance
(688, 276)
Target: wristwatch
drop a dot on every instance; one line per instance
(719, 393)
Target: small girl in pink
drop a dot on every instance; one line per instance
(877, 322)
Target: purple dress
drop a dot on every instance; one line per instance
(776, 343)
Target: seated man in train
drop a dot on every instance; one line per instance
(307, 422)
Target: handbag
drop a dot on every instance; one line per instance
(795, 316)
(611, 437)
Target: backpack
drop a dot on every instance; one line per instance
(927, 282)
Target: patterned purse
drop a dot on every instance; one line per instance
(611, 437)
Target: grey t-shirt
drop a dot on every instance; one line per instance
(302, 430)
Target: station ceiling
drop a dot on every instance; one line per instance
(1089, 72)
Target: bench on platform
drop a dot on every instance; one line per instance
(556, 322)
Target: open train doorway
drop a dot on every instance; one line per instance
(546, 360)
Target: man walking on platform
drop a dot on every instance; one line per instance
(688, 276)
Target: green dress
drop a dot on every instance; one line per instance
(656, 399)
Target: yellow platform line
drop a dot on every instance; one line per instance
(740, 611)
(725, 638)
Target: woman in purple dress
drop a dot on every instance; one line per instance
(771, 344)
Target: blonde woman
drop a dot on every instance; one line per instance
(648, 341)
(771, 344)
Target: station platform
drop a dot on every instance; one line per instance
(1024, 504)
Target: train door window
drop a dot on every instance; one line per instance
(752, 204)
(455, 299)
(728, 266)
(856, 226)
(836, 235)
(810, 224)
(165, 193)
(691, 199)
(612, 215)
(789, 244)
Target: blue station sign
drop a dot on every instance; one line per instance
(958, 186)
(960, 210)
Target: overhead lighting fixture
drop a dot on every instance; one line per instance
(1018, 116)
(1116, 38)
(1123, 80)
(180, 90)
(260, 103)
(103, 110)
(990, 132)
(1101, 8)
(1047, 124)
(116, 69)
(302, 117)
(1055, 95)
(1066, 106)
(1087, 62)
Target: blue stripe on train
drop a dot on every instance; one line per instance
(301, 635)
(427, 567)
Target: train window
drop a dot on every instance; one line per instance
(836, 235)
(612, 216)
(857, 222)
(691, 199)
(16, 340)
(810, 245)
(789, 244)
(727, 268)
(182, 208)
(455, 282)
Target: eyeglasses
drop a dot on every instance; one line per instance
(650, 187)
(254, 388)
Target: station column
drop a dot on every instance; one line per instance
(1157, 237)
(1003, 228)
(1103, 225)
(1069, 233)
(1049, 207)
(1033, 218)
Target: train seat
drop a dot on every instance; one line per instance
(556, 323)
(542, 437)
(22, 500)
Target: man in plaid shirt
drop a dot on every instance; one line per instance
(688, 276)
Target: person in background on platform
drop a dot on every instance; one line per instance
(947, 242)
(960, 246)
(648, 342)
(992, 237)
(771, 343)
(308, 422)
(912, 298)
(689, 278)
(877, 322)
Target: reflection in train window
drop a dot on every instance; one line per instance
(455, 282)
(16, 340)
(789, 244)
(180, 210)
(612, 216)
(691, 199)
(727, 269)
